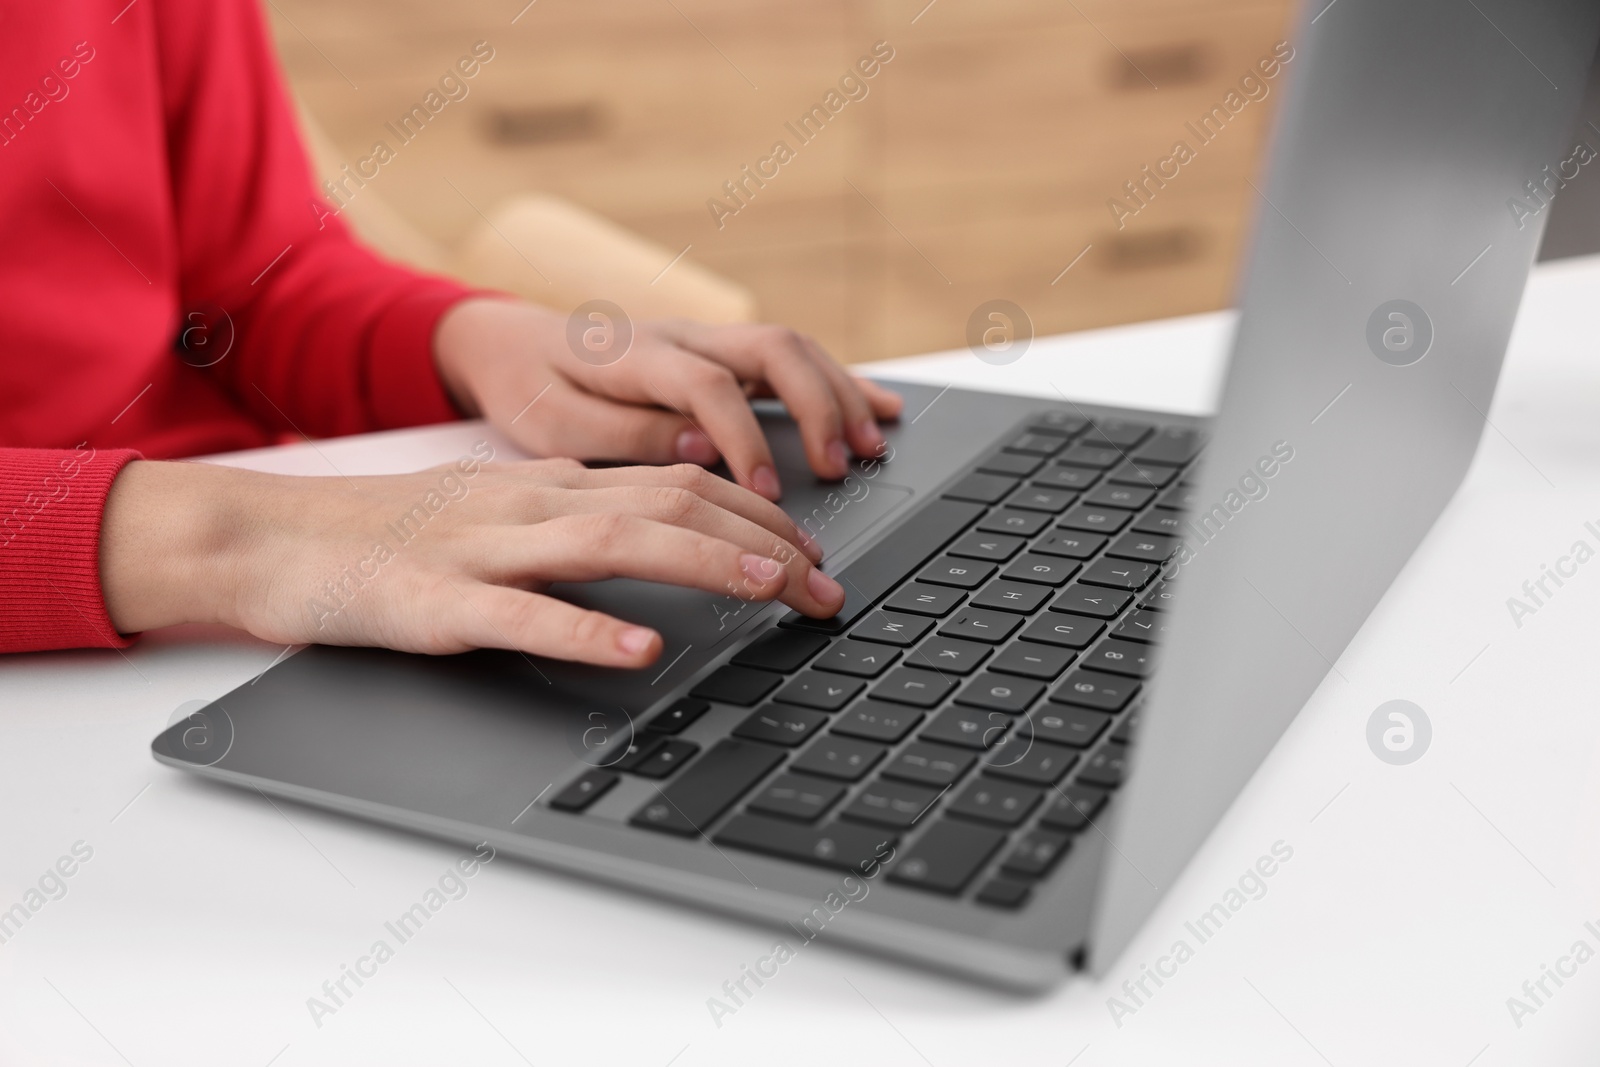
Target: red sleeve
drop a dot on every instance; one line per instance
(329, 338)
(51, 501)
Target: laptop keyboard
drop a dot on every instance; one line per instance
(972, 703)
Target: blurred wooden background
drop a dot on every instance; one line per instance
(978, 165)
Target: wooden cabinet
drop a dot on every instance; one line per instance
(976, 163)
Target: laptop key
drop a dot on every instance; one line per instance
(844, 758)
(987, 546)
(932, 600)
(1172, 446)
(876, 720)
(1016, 464)
(1090, 456)
(778, 725)
(948, 655)
(1093, 601)
(1180, 498)
(1037, 444)
(1119, 574)
(1059, 477)
(780, 650)
(952, 570)
(893, 804)
(841, 846)
(1121, 657)
(1159, 596)
(639, 749)
(1105, 692)
(1076, 727)
(1046, 570)
(1025, 759)
(1004, 893)
(979, 624)
(1072, 544)
(932, 764)
(1034, 660)
(1142, 625)
(907, 685)
(1006, 803)
(1107, 767)
(1145, 475)
(1095, 519)
(892, 629)
(1117, 433)
(1019, 597)
(1011, 521)
(1063, 631)
(666, 758)
(736, 685)
(864, 659)
(1128, 727)
(972, 728)
(588, 788)
(817, 689)
(947, 856)
(1073, 808)
(1120, 496)
(796, 796)
(1157, 521)
(1150, 548)
(982, 488)
(1038, 498)
(1059, 422)
(708, 787)
(679, 714)
(1036, 853)
(1000, 692)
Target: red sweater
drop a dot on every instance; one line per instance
(169, 282)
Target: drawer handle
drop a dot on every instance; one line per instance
(514, 126)
(1157, 248)
(1173, 64)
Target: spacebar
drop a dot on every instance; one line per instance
(708, 787)
(883, 565)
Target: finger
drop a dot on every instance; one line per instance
(494, 616)
(860, 421)
(719, 491)
(886, 403)
(600, 428)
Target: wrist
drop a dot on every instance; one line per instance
(478, 339)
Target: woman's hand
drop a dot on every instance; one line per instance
(443, 560)
(680, 392)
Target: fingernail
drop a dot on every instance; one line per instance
(694, 447)
(824, 588)
(635, 639)
(765, 480)
(838, 458)
(868, 432)
(761, 568)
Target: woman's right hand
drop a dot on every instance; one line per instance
(443, 560)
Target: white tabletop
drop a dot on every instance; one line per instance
(1418, 898)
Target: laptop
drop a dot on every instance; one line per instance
(1071, 632)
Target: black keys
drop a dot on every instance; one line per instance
(1117, 433)
(1006, 803)
(1036, 853)
(1025, 759)
(1073, 807)
(778, 725)
(841, 846)
(978, 624)
(987, 546)
(933, 600)
(1038, 498)
(1016, 464)
(1073, 544)
(876, 720)
(891, 804)
(1034, 660)
(1095, 519)
(1045, 570)
(1019, 523)
(1157, 521)
(887, 562)
(679, 714)
(1019, 597)
(1159, 596)
(781, 650)
(1119, 573)
(736, 685)
(707, 788)
(1059, 422)
(1128, 727)
(1093, 601)
(1121, 657)
(1003, 893)
(795, 796)
(1073, 478)
(665, 758)
(890, 628)
(1179, 498)
(1063, 631)
(1090, 456)
(922, 689)
(1037, 444)
(588, 788)
(953, 570)
(1107, 692)
(639, 749)
(1150, 548)
(948, 655)
(947, 856)
(1142, 625)
(972, 728)
(817, 689)
(845, 758)
(999, 692)
(1120, 496)
(1077, 727)
(864, 659)
(1142, 474)
(930, 764)
(1173, 446)
(1106, 767)
(983, 488)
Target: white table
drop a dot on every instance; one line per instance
(1419, 898)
